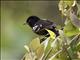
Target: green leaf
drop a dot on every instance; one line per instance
(49, 51)
(51, 48)
(70, 52)
(78, 47)
(70, 29)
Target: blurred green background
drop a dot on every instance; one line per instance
(14, 35)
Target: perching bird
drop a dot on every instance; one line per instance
(39, 25)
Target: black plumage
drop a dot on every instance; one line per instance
(39, 25)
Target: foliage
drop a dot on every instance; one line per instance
(64, 47)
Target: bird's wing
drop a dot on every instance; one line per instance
(50, 25)
(44, 24)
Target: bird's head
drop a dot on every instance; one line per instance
(32, 20)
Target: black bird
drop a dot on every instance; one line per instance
(39, 25)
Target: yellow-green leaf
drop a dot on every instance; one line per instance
(34, 44)
(79, 29)
(52, 34)
(39, 51)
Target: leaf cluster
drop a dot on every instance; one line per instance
(64, 47)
